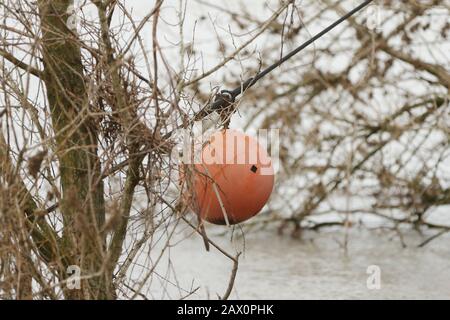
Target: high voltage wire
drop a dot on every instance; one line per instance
(226, 97)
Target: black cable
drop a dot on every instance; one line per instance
(226, 97)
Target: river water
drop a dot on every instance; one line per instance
(314, 267)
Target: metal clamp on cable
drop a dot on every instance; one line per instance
(222, 100)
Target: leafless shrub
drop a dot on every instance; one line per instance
(91, 96)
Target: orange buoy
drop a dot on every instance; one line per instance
(233, 180)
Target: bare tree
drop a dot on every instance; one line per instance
(91, 98)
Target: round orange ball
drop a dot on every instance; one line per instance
(234, 179)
